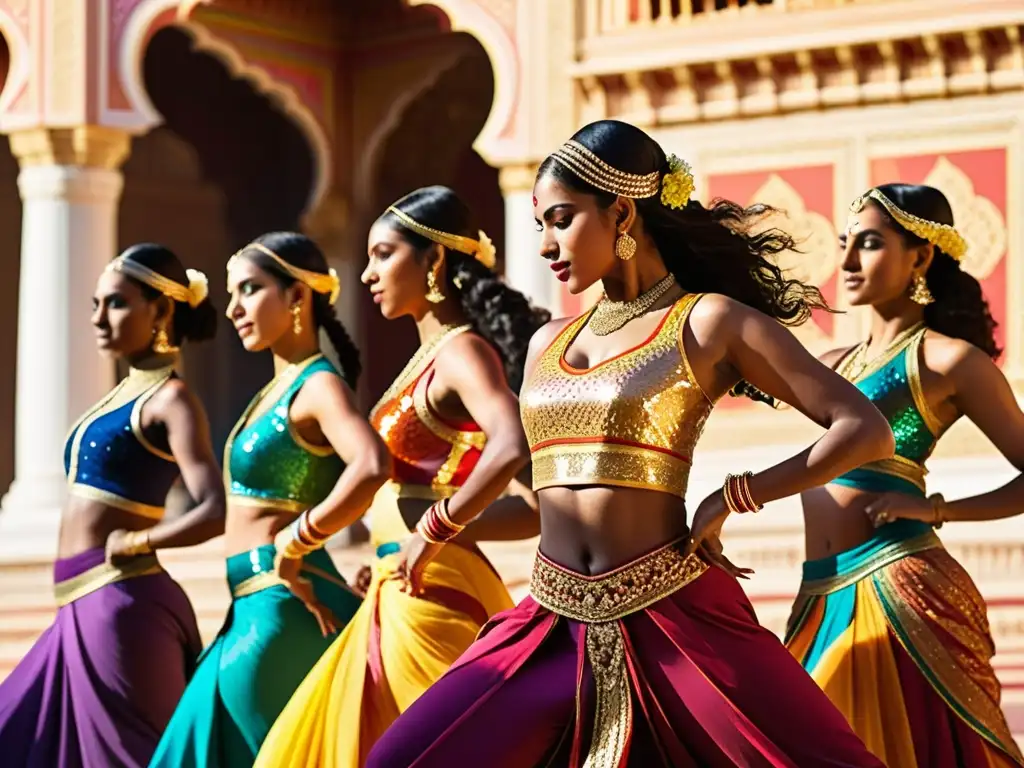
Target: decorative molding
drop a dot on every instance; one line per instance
(91, 146)
(668, 67)
(517, 178)
(14, 25)
(489, 22)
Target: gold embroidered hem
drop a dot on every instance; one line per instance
(887, 555)
(904, 469)
(102, 575)
(283, 505)
(147, 511)
(611, 464)
(600, 602)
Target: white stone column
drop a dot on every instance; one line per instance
(70, 191)
(524, 269)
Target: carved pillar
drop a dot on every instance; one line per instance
(70, 188)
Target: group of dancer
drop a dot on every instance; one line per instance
(637, 645)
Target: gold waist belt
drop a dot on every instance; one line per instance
(599, 602)
(887, 555)
(95, 578)
(268, 579)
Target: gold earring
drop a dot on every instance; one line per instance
(296, 310)
(919, 293)
(625, 246)
(162, 343)
(434, 295)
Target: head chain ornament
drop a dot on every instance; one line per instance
(482, 249)
(197, 290)
(942, 236)
(317, 281)
(676, 185)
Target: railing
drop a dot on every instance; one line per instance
(603, 16)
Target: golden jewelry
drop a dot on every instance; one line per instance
(625, 246)
(609, 316)
(193, 295)
(919, 293)
(137, 543)
(317, 281)
(296, 310)
(413, 368)
(162, 342)
(434, 294)
(482, 249)
(676, 185)
(942, 236)
(938, 503)
(856, 362)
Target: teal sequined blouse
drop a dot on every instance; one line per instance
(267, 463)
(893, 384)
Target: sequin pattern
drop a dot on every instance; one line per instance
(631, 421)
(266, 465)
(895, 388)
(427, 452)
(107, 459)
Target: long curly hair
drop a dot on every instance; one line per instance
(299, 251)
(960, 309)
(197, 323)
(714, 249)
(501, 315)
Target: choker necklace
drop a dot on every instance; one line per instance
(609, 316)
(857, 364)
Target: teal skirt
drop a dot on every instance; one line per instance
(267, 645)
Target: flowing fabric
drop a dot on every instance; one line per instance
(895, 632)
(99, 685)
(394, 648)
(268, 643)
(683, 677)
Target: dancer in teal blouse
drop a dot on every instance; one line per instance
(300, 443)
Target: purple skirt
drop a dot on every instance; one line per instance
(99, 685)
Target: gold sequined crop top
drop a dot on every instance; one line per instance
(631, 421)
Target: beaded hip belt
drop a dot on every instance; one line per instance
(599, 602)
(616, 594)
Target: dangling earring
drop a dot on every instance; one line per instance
(296, 310)
(625, 246)
(434, 295)
(919, 293)
(162, 343)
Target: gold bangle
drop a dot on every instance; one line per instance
(442, 512)
(137, 543)
(730, 503)
(938, 502)
(748, 497)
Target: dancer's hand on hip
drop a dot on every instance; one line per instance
(289, 570)
(705, 530)
(417, 555)
(892, 506)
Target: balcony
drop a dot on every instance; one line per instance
(658, 61)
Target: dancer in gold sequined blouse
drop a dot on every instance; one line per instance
(887, 622)
(637, 646)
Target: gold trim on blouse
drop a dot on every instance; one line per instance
(631, 421)
(148, 511)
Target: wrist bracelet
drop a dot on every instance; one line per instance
(736, 492)
(137, 543)
(938, 503)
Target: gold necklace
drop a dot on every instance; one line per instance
(416, 363)
(609, 316)
(860, 359)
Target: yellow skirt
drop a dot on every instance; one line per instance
(393, 649)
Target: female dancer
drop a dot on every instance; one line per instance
(453, 428)
(98, 687)
(887, 622)
(299, 447)
(632, 651)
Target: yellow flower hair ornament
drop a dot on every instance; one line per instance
(677, 184)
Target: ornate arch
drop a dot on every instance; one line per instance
(148, 16)
(14, 30)
(493, 23)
